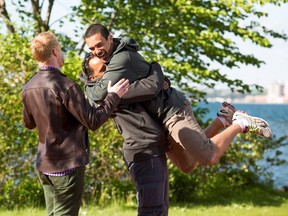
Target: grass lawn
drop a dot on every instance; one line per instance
(117, 210)
(250, 202)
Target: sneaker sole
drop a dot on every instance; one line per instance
(229, 106)
(266, 130)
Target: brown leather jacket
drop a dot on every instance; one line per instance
(56, 106)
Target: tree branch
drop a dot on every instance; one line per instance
(5, 16)
(37, 14)
(48, 15)
(82, 47)
(112, 18)
(55, 21)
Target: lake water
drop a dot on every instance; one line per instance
(277, 117)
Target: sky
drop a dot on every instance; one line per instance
(276, 58)
(274, 70)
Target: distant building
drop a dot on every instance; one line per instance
(285, 89)
(277, 93)
(275, 90)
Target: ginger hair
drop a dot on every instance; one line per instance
(42, 46)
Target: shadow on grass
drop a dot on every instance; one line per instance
(256, 196)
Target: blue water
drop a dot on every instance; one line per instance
(277, 117)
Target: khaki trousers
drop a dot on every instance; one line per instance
(188, 144)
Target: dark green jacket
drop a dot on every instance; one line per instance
(126, 62)
(143, 136)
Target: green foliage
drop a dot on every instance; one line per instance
(22, 192)
(186, 37)
(17, 145)
(72, 65)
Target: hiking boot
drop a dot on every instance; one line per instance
(226, 111)
(252, 124)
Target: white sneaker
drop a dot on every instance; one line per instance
(252, 124)
(226, 111)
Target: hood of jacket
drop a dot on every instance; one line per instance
(83, 78)
(126, 43)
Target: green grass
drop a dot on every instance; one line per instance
(217, 210)
(249, 202)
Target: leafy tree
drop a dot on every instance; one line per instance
(17, 145)
(186, 37)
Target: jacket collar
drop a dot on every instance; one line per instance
(51, 69)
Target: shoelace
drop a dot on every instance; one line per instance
(254, 129)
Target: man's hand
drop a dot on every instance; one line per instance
(120, 88)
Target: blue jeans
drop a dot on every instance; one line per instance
(152, 184)
(63, 195)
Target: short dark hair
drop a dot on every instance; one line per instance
(96, 29)
(166, 79)
(85, 65)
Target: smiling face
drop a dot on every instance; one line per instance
(100, 46)
(97, 67)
